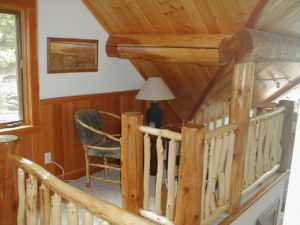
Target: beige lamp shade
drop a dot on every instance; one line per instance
(155, 89)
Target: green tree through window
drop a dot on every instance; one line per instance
(10, 75)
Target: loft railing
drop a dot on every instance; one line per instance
(205, 170)
(42, 197)
(263, 153)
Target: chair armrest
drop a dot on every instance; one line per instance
(97, 131)
(109, 114)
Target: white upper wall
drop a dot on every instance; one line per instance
(71, 19)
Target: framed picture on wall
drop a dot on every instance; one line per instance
(67, 55)
(270, 215)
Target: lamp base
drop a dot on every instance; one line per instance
(154, 115)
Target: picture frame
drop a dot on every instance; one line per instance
(68, 55)
(270, 215)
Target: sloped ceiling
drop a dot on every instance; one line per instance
(192, 84)
(272, 79)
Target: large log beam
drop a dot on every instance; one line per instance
(249, 45)
(193, 48)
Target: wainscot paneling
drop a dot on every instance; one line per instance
(57, 133)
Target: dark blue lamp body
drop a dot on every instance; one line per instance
(154, 115)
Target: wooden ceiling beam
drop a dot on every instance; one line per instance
(250, 45)
(193, 48)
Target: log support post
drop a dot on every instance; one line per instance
(288, 136)
(188, 203)
(132, 162)
(242, 83)
(8, 181)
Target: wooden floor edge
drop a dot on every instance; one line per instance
(253, 199)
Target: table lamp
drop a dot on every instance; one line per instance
(154, 90)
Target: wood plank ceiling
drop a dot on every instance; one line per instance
(189, 82)
(272, 79)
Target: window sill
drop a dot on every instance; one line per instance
(20, 130)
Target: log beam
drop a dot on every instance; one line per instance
(250, 45)
(193, 48)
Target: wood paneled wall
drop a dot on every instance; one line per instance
(57, 133)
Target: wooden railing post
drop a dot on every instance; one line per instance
(242, 83)
(132, 162)
(188, 203)
(8, 182)
(287, 138)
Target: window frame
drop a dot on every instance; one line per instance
(29, 56)
(19, 68)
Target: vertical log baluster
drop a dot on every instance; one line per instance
(247, 158)
(21, 192)
(31, 200)
(72, 213)
(147, 152)
(216, 160)
(221, 169)
(45, 205)
(273, 143)
(159, 176)
(204, 184)
(228, 165)
(171, 180)
(211, 155)
(56, 209)
(281, 116)
(262, 133)
(88, 219)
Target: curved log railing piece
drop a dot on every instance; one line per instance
(263, 153)
(62, 190)
(170, 137)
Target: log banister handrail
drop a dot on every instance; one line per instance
(94, 205)
(218, 131)
(165, 133)
(267, 115)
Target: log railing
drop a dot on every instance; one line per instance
(263, 153)
(218, 156)
(204, 172)
(207, 170)
(163, 138)
(42, 197)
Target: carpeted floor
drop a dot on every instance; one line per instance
(106, 191)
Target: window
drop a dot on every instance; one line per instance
(19, 85)
(11, 98)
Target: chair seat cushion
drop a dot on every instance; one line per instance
(106, 154)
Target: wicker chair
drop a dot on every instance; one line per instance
(96, 142)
